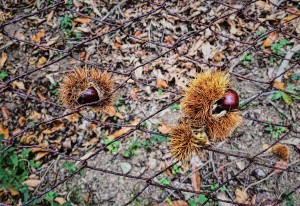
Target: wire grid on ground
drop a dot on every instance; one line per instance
(173, 41)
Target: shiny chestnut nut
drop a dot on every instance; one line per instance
(88, 96)
(230, 101)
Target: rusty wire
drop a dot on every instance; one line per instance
(123, 27)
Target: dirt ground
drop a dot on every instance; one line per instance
(160, 46)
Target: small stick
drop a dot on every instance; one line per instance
(286, 61)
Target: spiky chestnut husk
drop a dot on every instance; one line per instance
(86, 86)
(281, 151)
(202, 95)
(184, 141)
(222, 128)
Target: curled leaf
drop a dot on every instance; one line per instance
(123, 130)
(270, 39)
(82, 20)
(3, 59)
(32, 183)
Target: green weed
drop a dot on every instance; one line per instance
(50, 197)
(3, 75)
(201, 199)
(289, 199)
(66, 24)
(160, 92)
(155, 139)
(70, 166)
(15, 169)
(176, 170)
(247, 58)
(174, 107)
(277, 48)
(275, 131)
(164, 181)
(287, 98)
(132, 150)
(113, 147)
(54, 89)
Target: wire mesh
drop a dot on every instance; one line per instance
(196, 29)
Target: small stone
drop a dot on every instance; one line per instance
(258, 173)
(125, 167)
(152, 163)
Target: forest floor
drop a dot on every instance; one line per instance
(152, 50)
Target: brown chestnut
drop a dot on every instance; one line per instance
(88, 96)
(230, 101)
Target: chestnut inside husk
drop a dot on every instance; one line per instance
(88, 96)
(229, 102)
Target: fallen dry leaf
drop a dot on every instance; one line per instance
(290, 17)
(37, 37)
(41, 61)
(195, 47)
(3, 59)
(270, 39)
(31, 183)
(52, 41)
(279, 85)
(195, 178)
(73, 117)
(169, 40)
(35, 116)
(206, 49)
(87, 155)
(110, 111)
(82, 20)
(162, 84)
(174, 203)
(164, 128)
(264, 5)
(40, 155)
(67, 144)
(117, 44)
(218, 57)
(281, 165)
(36, 149)
(22, 121)
(134, 93)
(41, 96)
(77, 3)
(5, 112)
(49, 17)
(60, 200)
(57, 125)
(241, 195)
(4, 131)
(266, 146)
(27, 139)
(12, 191)
(138, 33)
(233, 29)
(123, 130)
(21, 36)
(86, 198)
(120, 116)
(19, 85)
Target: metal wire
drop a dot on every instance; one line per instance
(128, 72)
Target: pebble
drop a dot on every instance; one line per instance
(125, 167)
(258, 173)
(152, 163)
